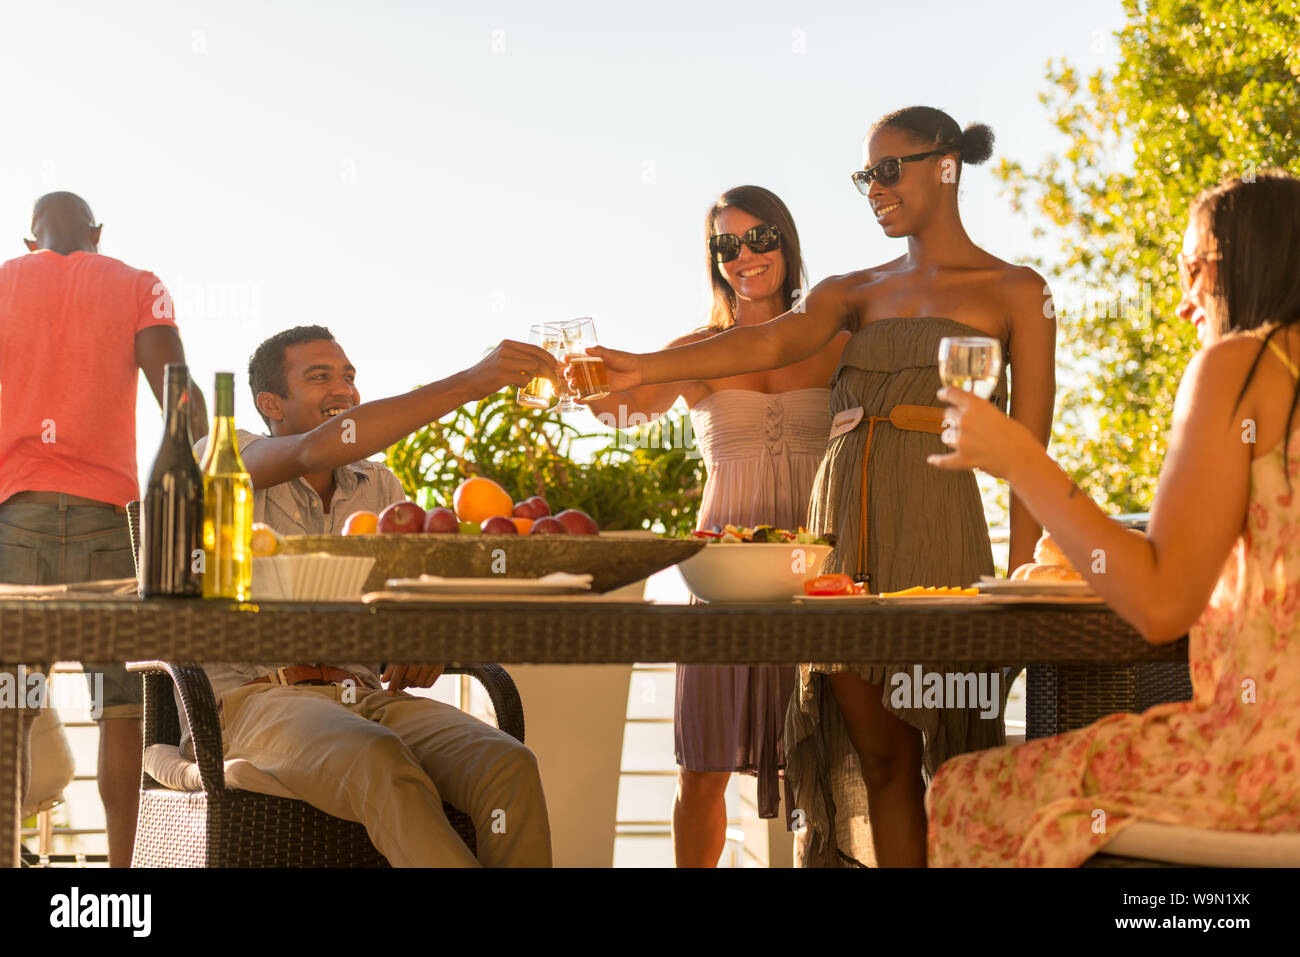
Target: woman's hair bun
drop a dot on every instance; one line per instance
(976, 143)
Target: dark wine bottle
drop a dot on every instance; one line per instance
(171, 516)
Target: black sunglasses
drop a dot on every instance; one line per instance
(888, 170)
(725, 247)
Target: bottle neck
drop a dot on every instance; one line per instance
(178, 406)
(223, 445)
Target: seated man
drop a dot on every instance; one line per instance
(332, 735)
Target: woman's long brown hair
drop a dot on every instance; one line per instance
(1254, 225)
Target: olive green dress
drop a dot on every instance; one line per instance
(926, 527)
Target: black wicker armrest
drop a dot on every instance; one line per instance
(162, 725)
(502, 692)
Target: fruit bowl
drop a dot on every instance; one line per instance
(752, 571)
(613, 559)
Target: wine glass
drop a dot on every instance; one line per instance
(970, 363)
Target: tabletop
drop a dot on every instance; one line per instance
(577, 631)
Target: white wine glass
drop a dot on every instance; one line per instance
(970, 363)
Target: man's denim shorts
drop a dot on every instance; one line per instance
(50, 544)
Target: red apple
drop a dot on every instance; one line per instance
(441, 520)
(540, 508)
(496, 525)
(547, 526)
(577, 522)
(524, 509)
(401, 518)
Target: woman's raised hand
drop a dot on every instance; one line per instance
(623, 369)
(981, 436)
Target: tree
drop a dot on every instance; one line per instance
(1204, 90)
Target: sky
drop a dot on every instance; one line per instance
(427, 180)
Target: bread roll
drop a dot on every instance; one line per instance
(1051, 573)
(1021, 573)
(1047, 552)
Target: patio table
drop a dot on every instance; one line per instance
(973, 634)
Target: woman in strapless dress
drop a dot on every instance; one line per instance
(761, 437)
(847, 744)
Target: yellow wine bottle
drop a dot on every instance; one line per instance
(227, 504)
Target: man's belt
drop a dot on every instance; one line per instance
(909, 418)
(60, 498)
(306, 675)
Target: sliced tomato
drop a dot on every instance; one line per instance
(829, 585)
(703, 534)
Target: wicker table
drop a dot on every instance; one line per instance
(38, 632)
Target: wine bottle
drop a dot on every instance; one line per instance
(171, 516)
(227, 504)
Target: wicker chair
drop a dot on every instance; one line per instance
(220, 826)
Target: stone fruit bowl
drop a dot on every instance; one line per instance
(752, 571)
(613, 559)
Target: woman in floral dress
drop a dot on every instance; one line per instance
(1221, 556)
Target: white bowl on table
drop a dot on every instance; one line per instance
(752, 571)
(313, 577)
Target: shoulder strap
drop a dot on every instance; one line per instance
(1279, 353)
(1286, 359)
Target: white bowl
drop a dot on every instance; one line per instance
(314, 577)
(752, 571)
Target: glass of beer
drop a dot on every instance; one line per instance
(588, 371)
(540, 390)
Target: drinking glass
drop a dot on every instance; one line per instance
(588, 371)
(970, 363)
(540, 390)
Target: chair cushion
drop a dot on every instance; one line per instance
(52, 765)
(1199, 847)
(166, 765)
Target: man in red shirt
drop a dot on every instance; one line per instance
(75, 328)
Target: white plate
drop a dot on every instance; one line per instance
(895, 599)
(1001, 586)
(553, 584)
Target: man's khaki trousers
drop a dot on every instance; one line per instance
(389, 761)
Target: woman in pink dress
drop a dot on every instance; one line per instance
(762, 437)
(1221, 556)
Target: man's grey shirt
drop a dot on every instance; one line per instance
(294, 508)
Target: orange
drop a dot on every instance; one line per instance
(361, 523)
(266, 541)
(523, 524)
(478, 499)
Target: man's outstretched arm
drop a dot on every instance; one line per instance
(371, 427)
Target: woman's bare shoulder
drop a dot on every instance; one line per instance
(695, 335)
(864, 277)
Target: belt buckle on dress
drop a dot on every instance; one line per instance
(280, 677)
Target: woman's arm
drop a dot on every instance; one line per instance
(1032, 361)
(649, 402)
(1160, 582)
(785, 340)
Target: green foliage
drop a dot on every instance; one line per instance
(630, 482)
(1204, 90)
